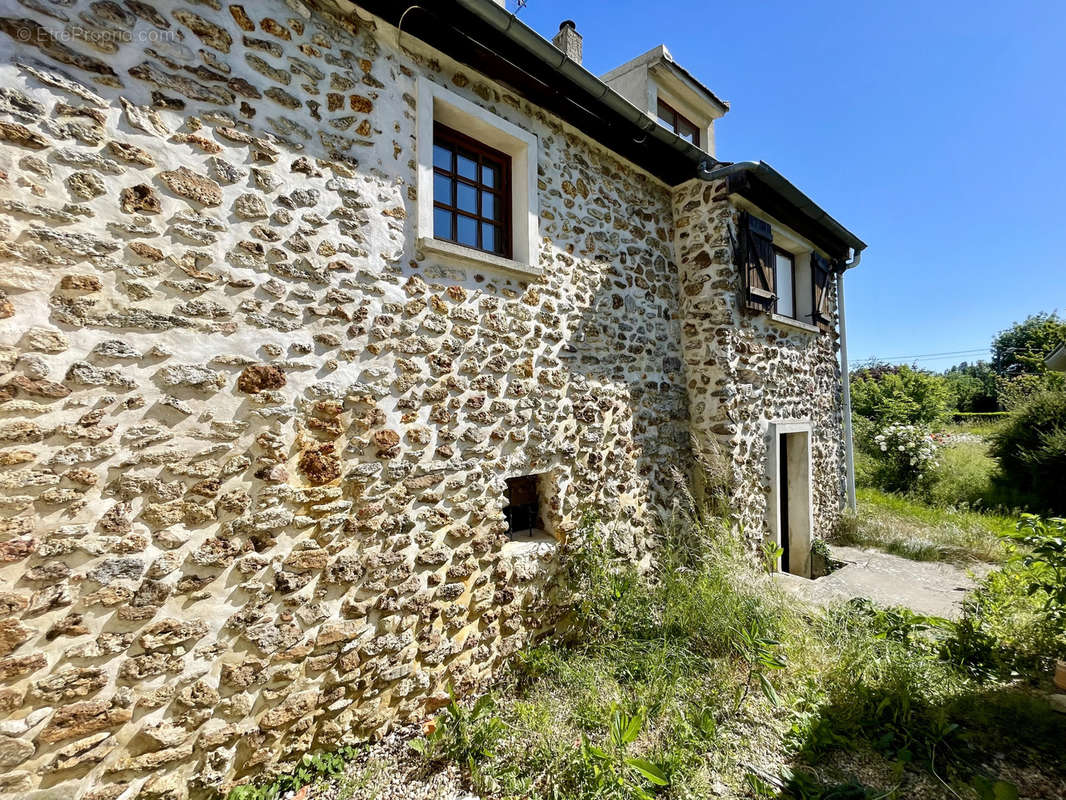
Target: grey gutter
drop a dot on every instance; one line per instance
(513, 28)
(782, 186)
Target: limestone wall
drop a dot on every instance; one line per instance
(253, 442)
(744, 371)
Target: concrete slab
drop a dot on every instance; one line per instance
(926, 587)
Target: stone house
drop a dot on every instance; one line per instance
(321, 327)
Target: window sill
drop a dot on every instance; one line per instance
(468, 255)
(789, 322)
(540, 544)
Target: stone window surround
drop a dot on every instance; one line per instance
(462, 115)
(791, 242)
(544, 540)
(774, 431)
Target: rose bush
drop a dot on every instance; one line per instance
(905, 455)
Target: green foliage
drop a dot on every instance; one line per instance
(1043, 559)
(963, 478)
(611, 772)
(903, 395)
(461, 735)
(312, 768)
(1023, 346)
(1031, 450)
(762, 654)
(972, 388)
(905, 456)
(1015, 391)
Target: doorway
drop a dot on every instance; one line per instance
(790, 520)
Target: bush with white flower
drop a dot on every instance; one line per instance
(907, 454)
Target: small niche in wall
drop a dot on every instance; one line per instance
(523, 508)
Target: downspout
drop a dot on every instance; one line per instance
(842, 330)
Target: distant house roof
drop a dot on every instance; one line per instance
(1057, 359)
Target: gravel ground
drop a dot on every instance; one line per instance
(387, 770)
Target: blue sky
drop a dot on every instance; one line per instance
(936, 131)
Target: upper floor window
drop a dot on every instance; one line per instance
(782, 274)
(471, 192)
(670, 118)
(785, 269)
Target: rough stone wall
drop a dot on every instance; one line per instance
(744, 370)
(252, 443)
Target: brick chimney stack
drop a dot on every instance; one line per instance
(569, 40)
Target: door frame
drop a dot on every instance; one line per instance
(799, 492)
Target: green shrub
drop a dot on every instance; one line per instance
(1031, 450)
(905, 456)
(902, 395)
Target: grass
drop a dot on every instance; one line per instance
(964, 478)
(914, 530)
(672, 653)
(701, 678)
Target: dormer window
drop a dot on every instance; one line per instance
(672, 120)
(670, 95)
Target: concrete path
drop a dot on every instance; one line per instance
(926, 587)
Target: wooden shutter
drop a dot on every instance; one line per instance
(821, 276)
(755, 259)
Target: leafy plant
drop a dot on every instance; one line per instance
(906, 454)
(1044, 559)
(461, 735)
(771, 552)
(889, 394)
(761, 654)
(312, 767)
(994, 790)
(614, 773)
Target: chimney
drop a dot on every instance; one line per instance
(569, 40)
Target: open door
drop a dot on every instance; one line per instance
(792, 495)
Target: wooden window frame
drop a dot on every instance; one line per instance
(484, 155)
(674, 116)
(792, 261)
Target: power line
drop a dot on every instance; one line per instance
(922, 356)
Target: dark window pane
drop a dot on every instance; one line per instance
(442, 157)
(466, 197)
(687, 131)
(489, 239)
(442, 223)
(667, 123)
(442, 189)
(488, 205)
(466, 233)
(466, 167)
(488, 176)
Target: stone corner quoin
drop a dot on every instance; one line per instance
(254, 442)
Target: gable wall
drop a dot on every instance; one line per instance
(253, 441)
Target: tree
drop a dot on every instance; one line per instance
(973, 387)
(887, 394)
(1022, 348)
